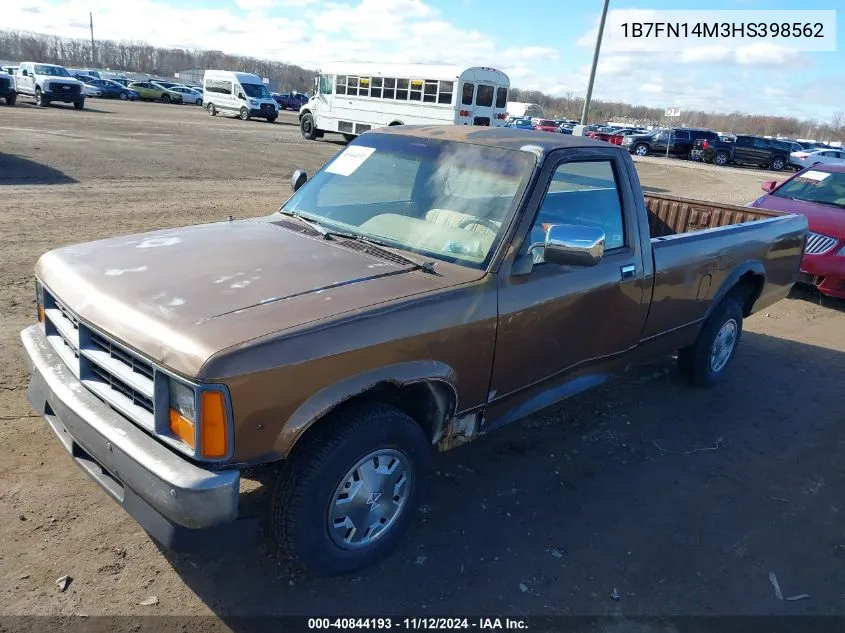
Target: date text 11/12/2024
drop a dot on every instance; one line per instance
(432, 623)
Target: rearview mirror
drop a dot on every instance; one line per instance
(573, 245)
(298, 179)
(769, 186)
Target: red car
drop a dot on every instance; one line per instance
(818, 193)
(546, 125)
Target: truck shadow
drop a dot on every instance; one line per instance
(17, 170)
(624, 487)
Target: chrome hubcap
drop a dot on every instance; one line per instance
(723, 345)
(641, 151)
(369, 499)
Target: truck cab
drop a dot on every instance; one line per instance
(49, 83)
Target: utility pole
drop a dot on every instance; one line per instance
(91, 21)
(595, 64)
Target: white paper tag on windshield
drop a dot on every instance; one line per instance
(818, 176)
(349, 160)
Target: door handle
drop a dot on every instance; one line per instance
(628, 271)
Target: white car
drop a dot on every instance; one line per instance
(91, 91)
(189, 95)
(808, 158)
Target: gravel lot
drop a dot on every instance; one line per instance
(681, 500)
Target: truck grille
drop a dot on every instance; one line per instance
(818, 244)
(116, 375)
(65, 90)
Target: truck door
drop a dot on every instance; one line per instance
(560, 328)
(744, 150)
(25, 80)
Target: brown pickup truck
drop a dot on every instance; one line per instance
(426, 286)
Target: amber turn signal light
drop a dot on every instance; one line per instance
(214, 434)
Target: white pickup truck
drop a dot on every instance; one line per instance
(47, 83)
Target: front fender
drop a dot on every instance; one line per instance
(322, 402)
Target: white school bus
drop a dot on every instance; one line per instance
(353, 98)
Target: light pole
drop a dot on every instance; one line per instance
(595, 64)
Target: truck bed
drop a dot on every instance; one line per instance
(668, 215)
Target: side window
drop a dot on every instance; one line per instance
(389, 87)
(416, 89)
(681, 135)
(401, 89)
(743, 141)
(375, 87)
(325, 85)
(430, 91)
(501, 97)
(484, 96)
(364, 87)
(340, 85)
(761, 143)
(466, 95)
(583, 193)
(445, 94)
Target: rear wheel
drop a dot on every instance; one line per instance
(344, 497)
(721, 159)
(641, 149)
(165, 98)
(703, 363)
(307, 127)
(10, 100)
(78, 105)
(778, 163)
(211, 109)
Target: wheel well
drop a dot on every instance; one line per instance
(395, 123)
(303, 113)
(747, 289)
(429, 403)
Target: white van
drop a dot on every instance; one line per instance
(239, 94)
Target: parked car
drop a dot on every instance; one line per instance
(566, 128)
(618, 136)
(189, 95)
(7, 88)
(746, 150)
(240, 94)
(48, 83)
(807, 158)
(681, 141)
(151, 91)
(123, 81)
(559, 250)
(88, 88)
(290, 100)
(522, 124)
(818, 193)
(545, 125)
(112, 90)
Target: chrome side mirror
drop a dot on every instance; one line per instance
(573, 245)
(298, 179)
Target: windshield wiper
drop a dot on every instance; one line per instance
(384, 248)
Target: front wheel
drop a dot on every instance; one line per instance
(307, 127)
(78, 105)
(40, 100)
(703, 363)
(211, 109)
(641, 150)
(778, 163)
(165, 98)
(11, 99)
(345, 496)
(721, 159)
(123, 96)
(244, 114)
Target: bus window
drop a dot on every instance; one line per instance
(484, 96)
(430, 91)
(375, 87)
(352, 86)
(445, 94)
(467, 95)
(364, 88)
(402, 89)
(389, 87)
(416, 89)
(340, 85)
(501, 97)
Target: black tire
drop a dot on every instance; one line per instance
(696, 362)
(641, 149)
(123, 96)
(312, 475)
(778, 163)
(165, 98)
(78, 105)
(271, 119)
(349, 137)
(211, 109)
(721, 159)
(307, 127)
(40, 100)
(244, 114)
(11, 99)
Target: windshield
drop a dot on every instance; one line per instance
(256, 91)
(448, 200)
(821, 187)
(53, 71)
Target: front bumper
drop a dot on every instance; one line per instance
(182, 506)
(261, 113)
(65, 96)
(825, 272)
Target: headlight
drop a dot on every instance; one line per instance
(182, 412)
(209, 426)
(46, 85)
(253, 102)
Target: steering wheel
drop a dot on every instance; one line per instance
(485, 222)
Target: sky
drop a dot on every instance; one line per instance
(542, 44)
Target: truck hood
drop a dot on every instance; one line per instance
(179, 296)
(71, 81)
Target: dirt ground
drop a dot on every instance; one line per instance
(681, 501)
